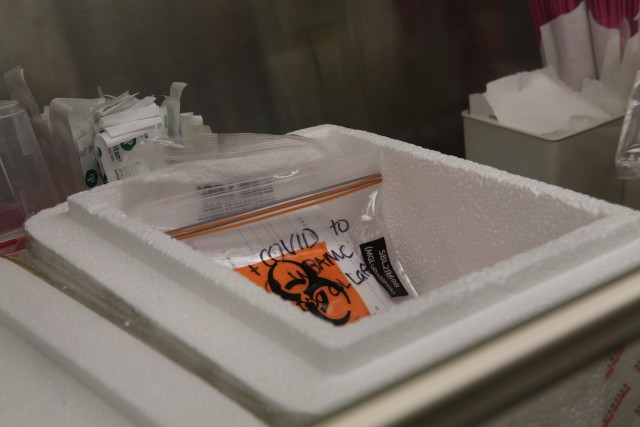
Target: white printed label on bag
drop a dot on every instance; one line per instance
(220, 199)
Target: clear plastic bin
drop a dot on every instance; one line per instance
(25, 180)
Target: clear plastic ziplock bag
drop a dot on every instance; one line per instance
(300, 221)
(150, 152)
(628, 152)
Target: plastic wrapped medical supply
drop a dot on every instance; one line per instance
(70, 120)
(118, 123)
(296, 217)
(121, 123)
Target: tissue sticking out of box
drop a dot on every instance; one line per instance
(538, 102)
(592, 40)
(565, 47)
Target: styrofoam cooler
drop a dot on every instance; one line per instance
(65, 365)
(582, 161)
(485, 249)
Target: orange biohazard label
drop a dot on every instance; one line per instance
(311, 279)
(305, 257)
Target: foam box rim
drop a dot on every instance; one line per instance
(365, 344)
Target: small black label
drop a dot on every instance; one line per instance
(376, 257)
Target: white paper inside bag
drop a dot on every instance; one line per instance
(119, 103)
(146, 112)
(134, 127)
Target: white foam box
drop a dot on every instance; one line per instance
(581, 161)
(62, 364)
(485, 249)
